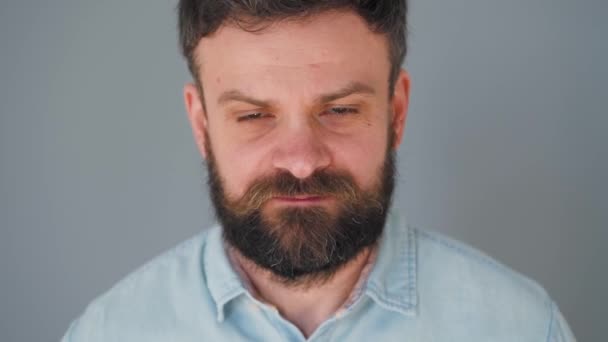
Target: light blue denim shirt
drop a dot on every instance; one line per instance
(423, 287)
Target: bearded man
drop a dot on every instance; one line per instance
(298, 108)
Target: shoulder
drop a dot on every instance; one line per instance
(458, 259)
(159, 293)
(435, 247)
(458, 281)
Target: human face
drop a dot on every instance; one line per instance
(299, 97)
(290, 70)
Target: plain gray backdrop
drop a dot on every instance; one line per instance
(505, 147)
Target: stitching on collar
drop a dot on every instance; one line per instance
(393, 282)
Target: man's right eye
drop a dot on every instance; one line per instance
(252, 116)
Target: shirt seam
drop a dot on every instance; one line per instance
(405, 300)
(411, 266)
(551, 320)
(387, 299)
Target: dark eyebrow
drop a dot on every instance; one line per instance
(237, 95)
(349, 89)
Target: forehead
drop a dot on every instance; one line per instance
(321, 51)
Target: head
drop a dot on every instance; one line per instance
(298, 108)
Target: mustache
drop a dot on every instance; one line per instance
(283, 184)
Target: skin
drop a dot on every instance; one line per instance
(299, 96)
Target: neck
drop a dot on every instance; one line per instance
(306, 305)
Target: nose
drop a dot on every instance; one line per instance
(301, 151)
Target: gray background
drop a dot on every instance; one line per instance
(504, 147)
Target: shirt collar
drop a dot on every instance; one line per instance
(391, 283)
(223, 282)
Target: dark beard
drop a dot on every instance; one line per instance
(303, 244)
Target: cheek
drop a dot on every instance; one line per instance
(362, 156)
(237, 164)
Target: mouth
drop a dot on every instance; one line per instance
(300, 200)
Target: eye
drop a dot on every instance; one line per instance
(252, 116)
(341, 111)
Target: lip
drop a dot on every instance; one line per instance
(304, 199)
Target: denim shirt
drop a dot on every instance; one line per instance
(423, 286)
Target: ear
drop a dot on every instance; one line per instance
(399, 103)
(197, 116)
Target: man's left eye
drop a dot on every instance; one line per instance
(342, 110)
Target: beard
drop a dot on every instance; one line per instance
(303, 245)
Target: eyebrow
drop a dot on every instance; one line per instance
(350, 89)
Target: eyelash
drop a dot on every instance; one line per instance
(340, 111)
(250, 116)
(343, 110)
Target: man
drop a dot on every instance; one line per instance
(298, 108)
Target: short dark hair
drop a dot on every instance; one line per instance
(200, 18)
